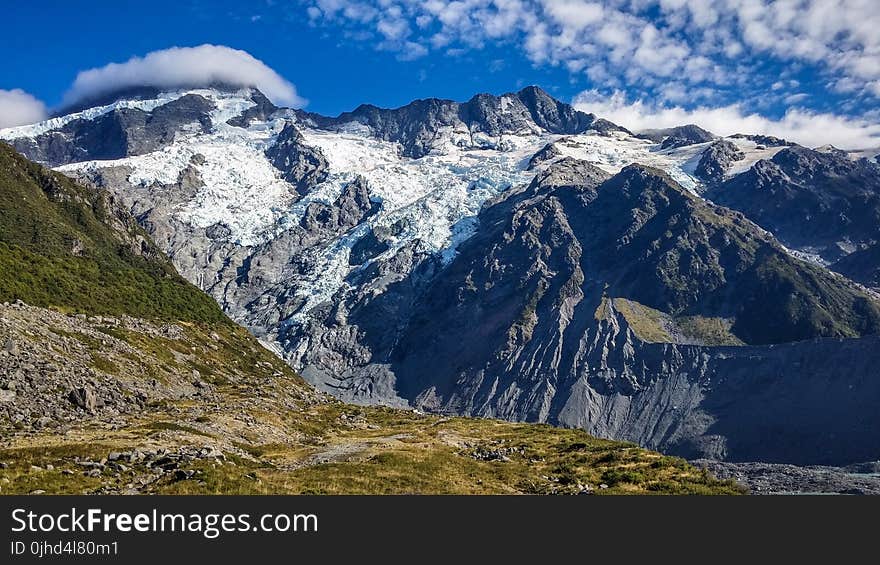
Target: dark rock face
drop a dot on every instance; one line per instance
(301, 165)
(809, 199)
(862, 265)
(351, 208)
(494, 115)
(117, 134)
(218, 232)
(717, 159)
(418, 126)
(679, 136)
(261, 111)
(415, 126)
(547, 153)
(552, 115)
(161, 125)
(369, 246)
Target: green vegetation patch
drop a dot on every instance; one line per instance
(648, 323)
(65, 246)
(708, 331)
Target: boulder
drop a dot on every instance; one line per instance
(83, 398)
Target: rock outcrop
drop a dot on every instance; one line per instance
(300, 165)
(547, 153)
(261, 111)
(680, 136)
(717, 159)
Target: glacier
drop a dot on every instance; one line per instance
(437, 196)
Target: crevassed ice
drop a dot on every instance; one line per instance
(436, 197)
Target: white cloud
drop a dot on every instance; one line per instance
(574, 13)
(185, 67)
(412, 51)
(17, 108)
(639, 42)
(802, 126)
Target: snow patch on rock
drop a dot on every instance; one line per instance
(39, 128)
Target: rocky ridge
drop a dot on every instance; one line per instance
(822, 202)
(717, 159)
(419, 126)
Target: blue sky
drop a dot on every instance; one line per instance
(789, 67)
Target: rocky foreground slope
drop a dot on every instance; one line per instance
(510, 256)
(121, 377)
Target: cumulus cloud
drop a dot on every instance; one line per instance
(691, 60)
(637, 42)
(17, 108)
(802, 126)
(180, 67)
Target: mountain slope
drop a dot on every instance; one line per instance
(862, 265)
(637, 236)
(99, 404)
(65, 246)
(825, 203)
(650, 240)
(123, 130)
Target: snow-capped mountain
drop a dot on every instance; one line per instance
(217, 141)
(341, 242)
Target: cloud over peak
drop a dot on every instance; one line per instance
(17, 108)
(185, 67)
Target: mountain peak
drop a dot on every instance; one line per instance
(644, 177)
(534, 91)
(418, 126)
(146, 92)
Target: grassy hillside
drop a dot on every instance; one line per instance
(63, 245)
